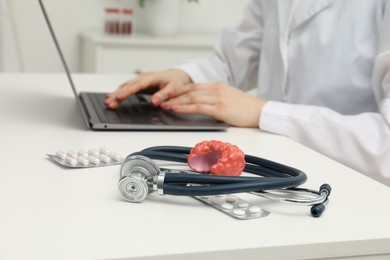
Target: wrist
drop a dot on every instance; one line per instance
(261, 107)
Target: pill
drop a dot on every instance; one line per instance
(72, 154)
(116, 157)
(231, 198)
(93, 152)
(227, 206)
(71, 161)
(246, 211)
(105, 158)
(83, 160)
(94, 160)
(239, 212)
(61, 155)
(216, 200)
(254, 209)
(243, 204)
(82, 153)
(104, 150)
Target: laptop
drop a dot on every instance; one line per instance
(135, 113)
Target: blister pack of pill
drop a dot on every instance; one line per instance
(233, 206)
(86, 159)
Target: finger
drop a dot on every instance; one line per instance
(111, 101)
(204, 109)
(163, 94)
(111, 98)
(188, 88)
(194, 95)
(120, 88)
(192, 98)
(132, 87)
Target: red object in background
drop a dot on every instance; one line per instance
(112, 22)
(127, 23)
(217, 158)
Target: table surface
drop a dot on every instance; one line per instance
(48, 212)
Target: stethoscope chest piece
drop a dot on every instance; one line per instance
(137, 174)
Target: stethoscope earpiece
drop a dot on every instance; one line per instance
(317, 209)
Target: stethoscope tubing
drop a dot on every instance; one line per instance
(255, 165)
(274, 181)
(294, 196)
(191, 190)
(278, 176)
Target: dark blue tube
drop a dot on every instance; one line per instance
(273, 175)
(212, 179)
(179, 189)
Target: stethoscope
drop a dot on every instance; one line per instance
(140, 175)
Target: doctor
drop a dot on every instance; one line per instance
(322, 73)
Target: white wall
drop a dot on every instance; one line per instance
(1, 36)
(37, 53)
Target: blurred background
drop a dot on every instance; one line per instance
(111, 36)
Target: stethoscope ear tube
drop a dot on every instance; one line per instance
(254, 165)
(219, 189)
(267, 168)
(278, 176)
(140, 175)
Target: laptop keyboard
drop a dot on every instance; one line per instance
(135, 110)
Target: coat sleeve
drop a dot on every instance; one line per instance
(237, 68)
(360, 141)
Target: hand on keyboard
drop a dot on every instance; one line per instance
(165, 82)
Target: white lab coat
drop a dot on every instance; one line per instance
(323, 66)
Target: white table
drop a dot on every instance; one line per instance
(51, 213)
